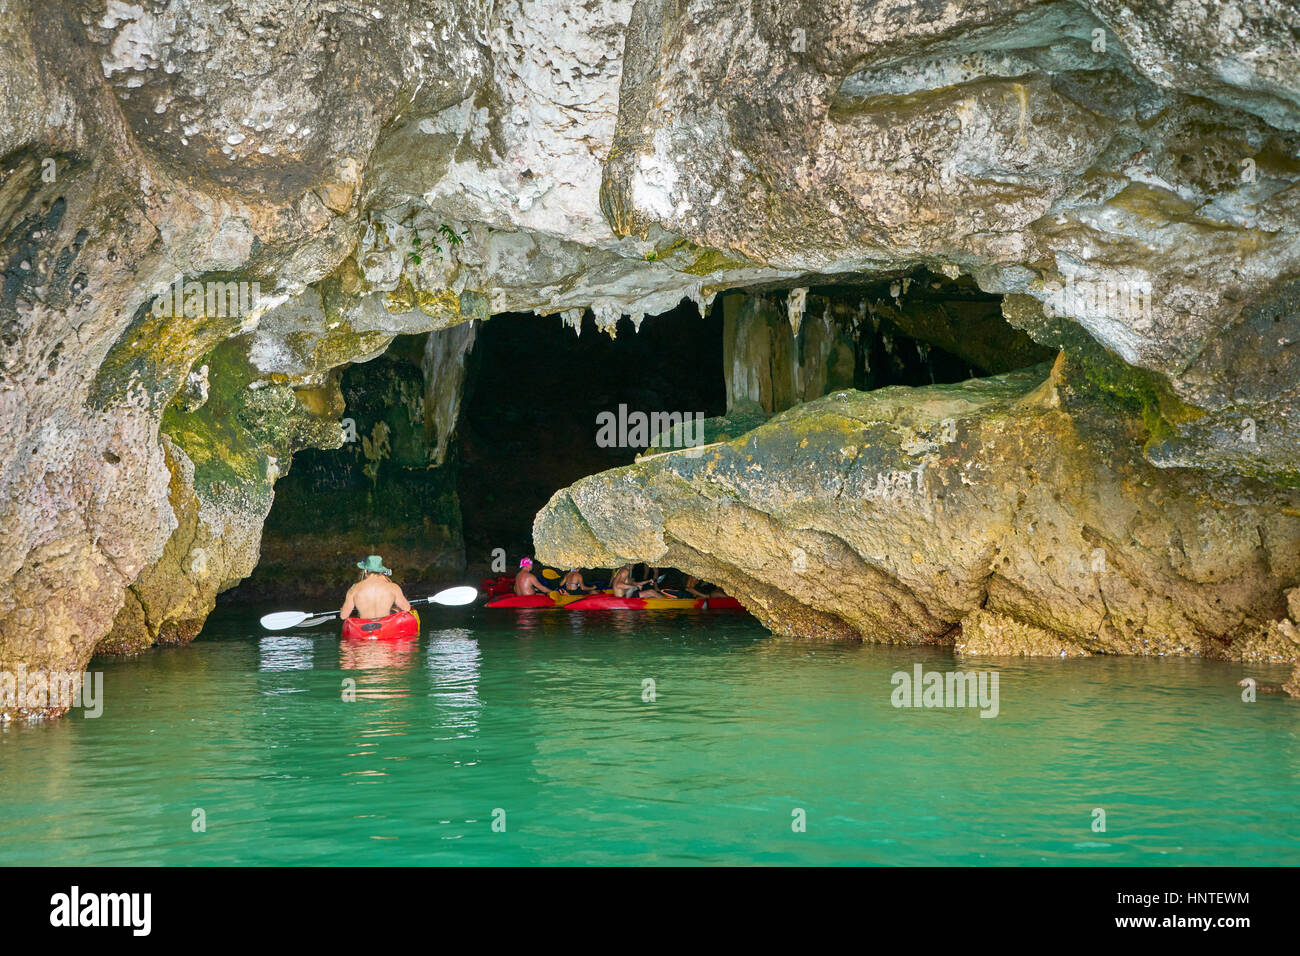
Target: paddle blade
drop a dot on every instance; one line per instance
(282, 619)
(550, 574)
(313, 621)
(454, 597)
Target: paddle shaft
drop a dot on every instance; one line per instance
(451, 597)
(326, 615)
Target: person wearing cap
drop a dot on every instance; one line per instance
(526, 582)
(374, 595)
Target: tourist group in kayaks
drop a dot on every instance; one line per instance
(573, 593)
(375, 608)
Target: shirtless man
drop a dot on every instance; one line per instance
(624, 587)
(374, 596)
(526, 583)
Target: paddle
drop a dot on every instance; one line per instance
(312, 622)
(452, 597)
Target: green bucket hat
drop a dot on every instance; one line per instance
(374, 564)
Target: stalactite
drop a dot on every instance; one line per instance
(607, 315)
(701, 299)
(795, 304)
(573, 319)
(444, 384)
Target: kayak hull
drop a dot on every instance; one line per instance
(607, 602)
(554, 599)
(499, 586)
(395, 627)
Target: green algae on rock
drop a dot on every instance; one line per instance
(388, 490)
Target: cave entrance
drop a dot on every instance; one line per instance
(536, 393)
(456, 439)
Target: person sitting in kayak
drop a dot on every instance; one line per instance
(573, 583)
(527, 583)
(374, 595)
(694, 588)
(680, 585)
(624, 587)
(694, 585)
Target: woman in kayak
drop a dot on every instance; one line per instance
(374, 595)
(624, 587)
(573, 583)
(526, 583)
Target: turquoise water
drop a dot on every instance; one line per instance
(537, 719)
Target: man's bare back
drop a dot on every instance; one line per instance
(374, 596)
(526, 582)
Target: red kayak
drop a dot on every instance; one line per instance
(498, 586)
(607, 602)
(398, 625)
(554, 599)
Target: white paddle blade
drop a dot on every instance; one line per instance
(454, 597)
(313, 621)
(282, 619)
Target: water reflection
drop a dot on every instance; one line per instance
(550, 622)
(384, 666)
(454, 662)
(623, 622)
(378, 655)
(529, 619)
(286, 652)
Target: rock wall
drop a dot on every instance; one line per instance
(384, 491)
(772, 364)
(1005, 514)
(1133, 166)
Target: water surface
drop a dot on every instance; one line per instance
(538, 719)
